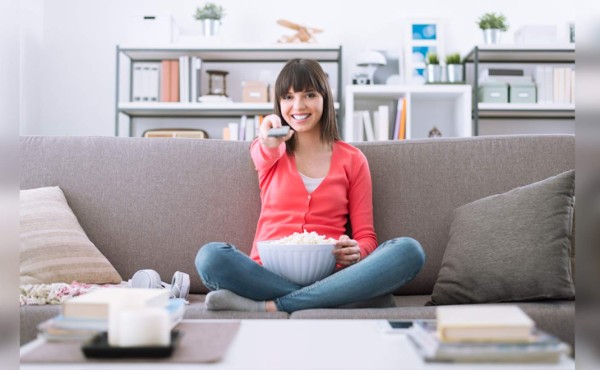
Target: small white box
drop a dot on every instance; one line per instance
(151, 29)
(536, 34)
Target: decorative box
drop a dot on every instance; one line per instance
(254, 92)
(493, 92)
(522, 92)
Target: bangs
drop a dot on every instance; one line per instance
(299, 77)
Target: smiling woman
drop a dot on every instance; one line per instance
(310, 181)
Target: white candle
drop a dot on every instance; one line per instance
(143, 327)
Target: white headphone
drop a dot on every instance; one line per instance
(179, 287)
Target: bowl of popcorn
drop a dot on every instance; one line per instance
(302, 258)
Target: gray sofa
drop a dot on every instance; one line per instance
(151, 203)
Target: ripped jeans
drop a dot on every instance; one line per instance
(391, 265)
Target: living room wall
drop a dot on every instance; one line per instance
(68, 46)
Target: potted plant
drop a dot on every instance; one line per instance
(210, 16)
(433, 68)
(454, 68)
(492, 25)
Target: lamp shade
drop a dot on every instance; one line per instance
(371, 58)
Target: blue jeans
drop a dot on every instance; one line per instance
(393, 264)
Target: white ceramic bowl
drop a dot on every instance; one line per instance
(302, 264)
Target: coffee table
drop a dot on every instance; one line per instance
(309, 344)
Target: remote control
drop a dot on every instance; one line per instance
(279, 132)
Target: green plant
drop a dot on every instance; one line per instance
(210, 11)
(493, 20)
(453, 58)
(432, 58)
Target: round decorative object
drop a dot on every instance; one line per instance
(217, 83)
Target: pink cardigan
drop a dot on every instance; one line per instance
(287, 207)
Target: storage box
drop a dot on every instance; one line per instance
(146, 29)
(493, 92)
(523, 92)
(254, 92)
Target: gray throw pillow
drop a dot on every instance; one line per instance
(511, 247)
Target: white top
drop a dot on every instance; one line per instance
(310, 182)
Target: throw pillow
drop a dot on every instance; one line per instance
(511, 247)
(53, 246)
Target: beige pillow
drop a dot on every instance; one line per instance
(53, 246)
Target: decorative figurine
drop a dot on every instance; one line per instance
(303, 33)
(434, 132)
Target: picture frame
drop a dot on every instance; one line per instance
(422, 36)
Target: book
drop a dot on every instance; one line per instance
(369, 131)
(402, 131)
(483, 323)
(184, 79)
(165, 81)
(95, 304)
(383, 123)
(174, 81)
(541, 347)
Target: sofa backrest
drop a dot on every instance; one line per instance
(151, 203)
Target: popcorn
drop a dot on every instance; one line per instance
(305, 238)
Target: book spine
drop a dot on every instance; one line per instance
(174, 86)
(165, 81)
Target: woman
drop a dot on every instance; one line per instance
(309, 180)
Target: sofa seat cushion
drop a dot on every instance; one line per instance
(197, 310)
(510, 247)
(54, 248)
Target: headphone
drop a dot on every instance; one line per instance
(179, 287)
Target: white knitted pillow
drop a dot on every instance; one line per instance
(53, 246)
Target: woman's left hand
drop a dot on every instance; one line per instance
(346, 251)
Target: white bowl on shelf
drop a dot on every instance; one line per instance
(302, 264)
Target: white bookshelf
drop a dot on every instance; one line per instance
(244, 62)
(447, 107)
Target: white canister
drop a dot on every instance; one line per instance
(143, 327)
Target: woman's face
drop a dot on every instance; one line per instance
(302, 110)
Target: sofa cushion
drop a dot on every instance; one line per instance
(514, 246)
(53, 246)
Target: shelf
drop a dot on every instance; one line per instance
(394, 91)
(248, 57)
(235, 53)
(195, 109)
(513, 53)
(508, 110)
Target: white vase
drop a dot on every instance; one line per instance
(492, 36)
(210, 27)
(433, 73)
(454, 73)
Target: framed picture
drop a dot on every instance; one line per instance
(421, 38)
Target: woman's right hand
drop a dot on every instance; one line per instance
(271, 121)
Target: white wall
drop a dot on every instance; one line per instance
(68, 64)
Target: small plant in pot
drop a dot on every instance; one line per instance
(433, 68)
(454, 68)
(210, 16)
(492, 25)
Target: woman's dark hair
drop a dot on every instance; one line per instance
(302, 75)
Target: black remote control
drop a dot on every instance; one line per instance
(279, 131)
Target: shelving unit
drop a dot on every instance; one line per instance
(447, 107)
(231, 56)
(519, 55)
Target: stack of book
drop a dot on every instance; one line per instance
(86, 315)
(494, 333)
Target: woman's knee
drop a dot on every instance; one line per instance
(410, 249)
(210, 256)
